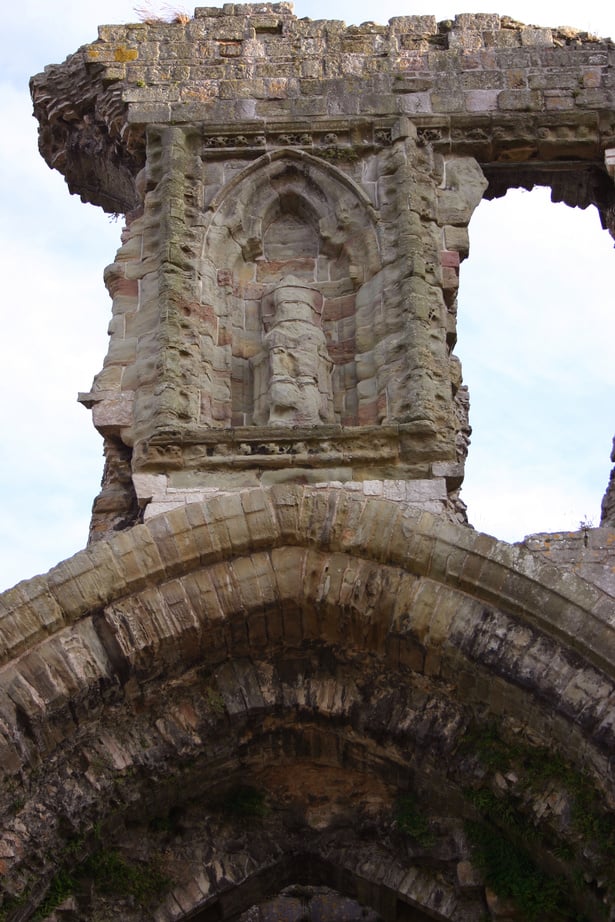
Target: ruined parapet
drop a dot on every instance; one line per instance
(248, 145)
(505, 92)
(587, 552)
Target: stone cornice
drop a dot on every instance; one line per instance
(530, 93)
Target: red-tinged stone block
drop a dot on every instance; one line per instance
(339, 308)
(368, 413)
(230, 49)
(342, 352)
(203, 312)
(450, 278)
(449, 259)
(220, 411)
(273, 270)
(123, 286)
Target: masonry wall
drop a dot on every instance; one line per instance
(302, 614)
(247, 144)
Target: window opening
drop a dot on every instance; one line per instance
(536, 333)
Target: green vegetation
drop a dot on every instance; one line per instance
(215, 702)
(538, 767)
(512, 874)
(246, 802)
(412, 822)
(507, 833)
(60, 888)
(112, 873)
(9, 906)
(107, 869)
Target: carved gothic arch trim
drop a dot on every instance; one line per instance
(324, 232)
(331, 195)
(290, 154)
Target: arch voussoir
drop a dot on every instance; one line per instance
(283, 638)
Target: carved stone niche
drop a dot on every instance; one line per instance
(299, 316)
(290, 246)
(293, 320)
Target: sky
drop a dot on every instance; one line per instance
(536, 318)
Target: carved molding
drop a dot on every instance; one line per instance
(347, 137)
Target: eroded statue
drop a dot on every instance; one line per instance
(292, 374)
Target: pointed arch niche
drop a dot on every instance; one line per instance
(289, 214)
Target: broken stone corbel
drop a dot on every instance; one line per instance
(111, 412)
(149, 488)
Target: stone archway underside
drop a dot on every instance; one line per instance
(258, 645)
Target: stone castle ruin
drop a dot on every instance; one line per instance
(286, 679)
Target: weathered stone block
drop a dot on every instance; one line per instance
(520, 100)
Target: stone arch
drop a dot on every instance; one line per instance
(290, 214)
(227, 638)
(230, 525)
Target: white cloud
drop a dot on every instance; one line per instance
(536, 334)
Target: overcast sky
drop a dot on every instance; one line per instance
(537, 324)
